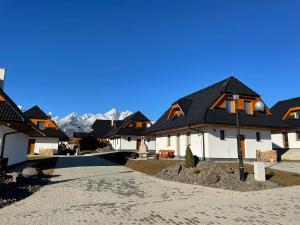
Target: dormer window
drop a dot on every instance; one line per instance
(247, 107)
(41, 125)
(175, 112)
(297, 115)
(229, 106)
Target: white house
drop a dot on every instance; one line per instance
(14, 129)
(126, 134)
(288, 139)
(206, 121)
(53, 135)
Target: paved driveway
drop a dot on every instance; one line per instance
(90, 190)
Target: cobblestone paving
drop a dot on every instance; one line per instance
(103, 193)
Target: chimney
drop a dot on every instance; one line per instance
(2, 78)
(112, 123)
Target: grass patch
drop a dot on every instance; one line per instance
(150, 167)
(282, 178)
(45, 163)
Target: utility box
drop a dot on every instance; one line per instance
(259, 171)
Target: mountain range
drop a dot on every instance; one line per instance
(74, 122)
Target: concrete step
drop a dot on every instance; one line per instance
(291, 154)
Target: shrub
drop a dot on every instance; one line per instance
(189, 158)
(196, 171)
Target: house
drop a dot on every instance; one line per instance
(288, 138)
(14, 129)
(102, 127)
(53, 135)
(206, 121)
(77, 136)
(127, 134)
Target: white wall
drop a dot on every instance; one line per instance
(122, 143)
(15, 148)
(293, 142)
(277, 140)
(46, 143)
(196, 142)
(214, 147)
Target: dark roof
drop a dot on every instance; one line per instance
(102, 127)
(36, 113)
(123, 130)
(282, 107)
(52, 132)
(196, 108)
(9, 111)
(81, 134)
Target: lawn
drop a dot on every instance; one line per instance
(45, 163)
(150, 167)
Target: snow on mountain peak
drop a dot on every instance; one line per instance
(74, 122)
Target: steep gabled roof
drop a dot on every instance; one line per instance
(197, 107)
(9, 111)
(36, 113)
(102, 127)
(281, 107)
(123, 130)
(80, 134)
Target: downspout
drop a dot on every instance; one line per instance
(203, 143)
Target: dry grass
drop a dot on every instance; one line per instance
(150, 167)
(45, 163)
(282, 178)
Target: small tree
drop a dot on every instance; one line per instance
(189, 158)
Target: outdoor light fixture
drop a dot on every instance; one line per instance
(238, 137)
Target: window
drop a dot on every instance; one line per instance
(148, 139)
(298, 135)
(229, 106)
(41, 125)
(169, 140)
(247, 107)
(297, 115)
(188, 138)
(129, 139)
(222, 134)
(258, 138)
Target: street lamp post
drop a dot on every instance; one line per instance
(241, 163)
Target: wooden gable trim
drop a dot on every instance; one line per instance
(218, 101)
(174, 106)
(2, 99)
(289, 111)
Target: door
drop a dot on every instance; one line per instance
(138, 144)
(31, 145)
(285, 140)
(242, 141)
(177, 145)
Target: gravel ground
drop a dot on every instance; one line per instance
(11, 192)
(216, 175)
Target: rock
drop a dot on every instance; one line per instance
(230, 170)
(178, 168)
(212, 178)
(31, 171)
(15, 177)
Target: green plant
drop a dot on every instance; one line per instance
(196, 171)
(189, 158)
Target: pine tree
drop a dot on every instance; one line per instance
(189, 158)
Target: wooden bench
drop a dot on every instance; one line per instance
(166, 154)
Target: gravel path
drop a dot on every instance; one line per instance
(100, 192)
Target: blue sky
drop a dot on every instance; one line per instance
(90, 56)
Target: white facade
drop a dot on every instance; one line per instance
(213, 146)
(278, 140)
(15, 148)
(129, 143)
(46, 143)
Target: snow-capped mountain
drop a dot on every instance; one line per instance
(74, 122)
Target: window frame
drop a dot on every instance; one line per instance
(169, 140)
(41, 122)
(297, 135)
(129, 139)
(250, 111)
(222, 135)
(231, 106)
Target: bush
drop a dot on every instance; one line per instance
(196, 171)
(189, 158)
